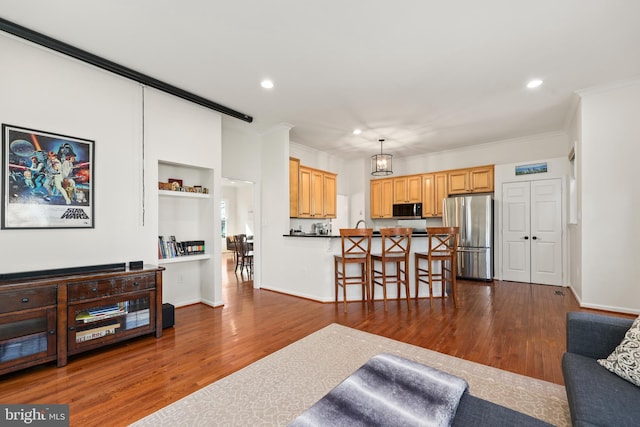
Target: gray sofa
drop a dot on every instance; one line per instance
(596, 396)
(476, 412)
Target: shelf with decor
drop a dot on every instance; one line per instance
(186, 258)
(171, 193)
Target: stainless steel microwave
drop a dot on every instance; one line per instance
(407, 210)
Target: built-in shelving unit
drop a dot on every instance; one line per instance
(189, 216)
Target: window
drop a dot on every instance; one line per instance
(223, 218)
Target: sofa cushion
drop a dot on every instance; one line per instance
(625, 359)
(473, 411)
(595, 335)
(596, 396)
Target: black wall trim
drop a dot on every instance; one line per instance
(90, 58)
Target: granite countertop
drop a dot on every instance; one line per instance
(416, 232)
(303, 234)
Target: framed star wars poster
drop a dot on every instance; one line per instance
(47, 180)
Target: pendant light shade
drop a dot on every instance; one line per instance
(381, 164)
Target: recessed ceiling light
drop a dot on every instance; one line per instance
(357, 131)
(534, 83)
(267, 84)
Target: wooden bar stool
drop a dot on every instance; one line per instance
(396, 244)
(443, 245)
(356, 249)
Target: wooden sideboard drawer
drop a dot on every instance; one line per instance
(109, 287)
(135, 283)
(27, 298)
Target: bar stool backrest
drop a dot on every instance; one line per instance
(356, 242)
(443, 241)
(396, 241)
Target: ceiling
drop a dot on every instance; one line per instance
(425, 75)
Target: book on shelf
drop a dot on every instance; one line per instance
(101, 313)
(95, 333)
(195, 247)
(161, 252)
(170, 247)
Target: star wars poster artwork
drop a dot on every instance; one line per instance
(47, 180)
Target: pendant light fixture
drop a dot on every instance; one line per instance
(381, 164)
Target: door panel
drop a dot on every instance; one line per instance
(516, 260)
(546, 232)
(532, 232)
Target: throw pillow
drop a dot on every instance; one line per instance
(625, 359)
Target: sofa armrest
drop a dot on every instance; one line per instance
(595, 335)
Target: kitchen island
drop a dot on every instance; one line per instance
(309, 271)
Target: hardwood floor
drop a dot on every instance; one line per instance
(513, 326)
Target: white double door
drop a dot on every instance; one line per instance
(532, 231)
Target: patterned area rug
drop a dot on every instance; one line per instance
(276, 389)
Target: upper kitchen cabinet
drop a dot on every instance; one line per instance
(471, 180)
(381, 198)
(294, 188)
(329, 188)
(434, 190)
(407, 189)
(317, 193)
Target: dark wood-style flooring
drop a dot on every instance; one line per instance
(513, 326)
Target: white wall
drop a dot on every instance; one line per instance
(575, 229)
(46, 91)
(51, 92)
(610, 197)
(541, 146)
(278, 269)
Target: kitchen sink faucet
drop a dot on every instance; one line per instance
(361, 221)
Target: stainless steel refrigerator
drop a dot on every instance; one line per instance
(474, 216)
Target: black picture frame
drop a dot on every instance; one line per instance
(47, 180)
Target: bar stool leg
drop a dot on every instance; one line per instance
(344, 285)
(453, 273)
(335, 278)
(384, 284)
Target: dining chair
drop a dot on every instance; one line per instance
(244, 254)
(442, 250)
(237, 248)
(356, 249)
(231, 246)
(396, 245)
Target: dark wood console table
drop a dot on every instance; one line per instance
(51, 316)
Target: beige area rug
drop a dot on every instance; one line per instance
(276, 389)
